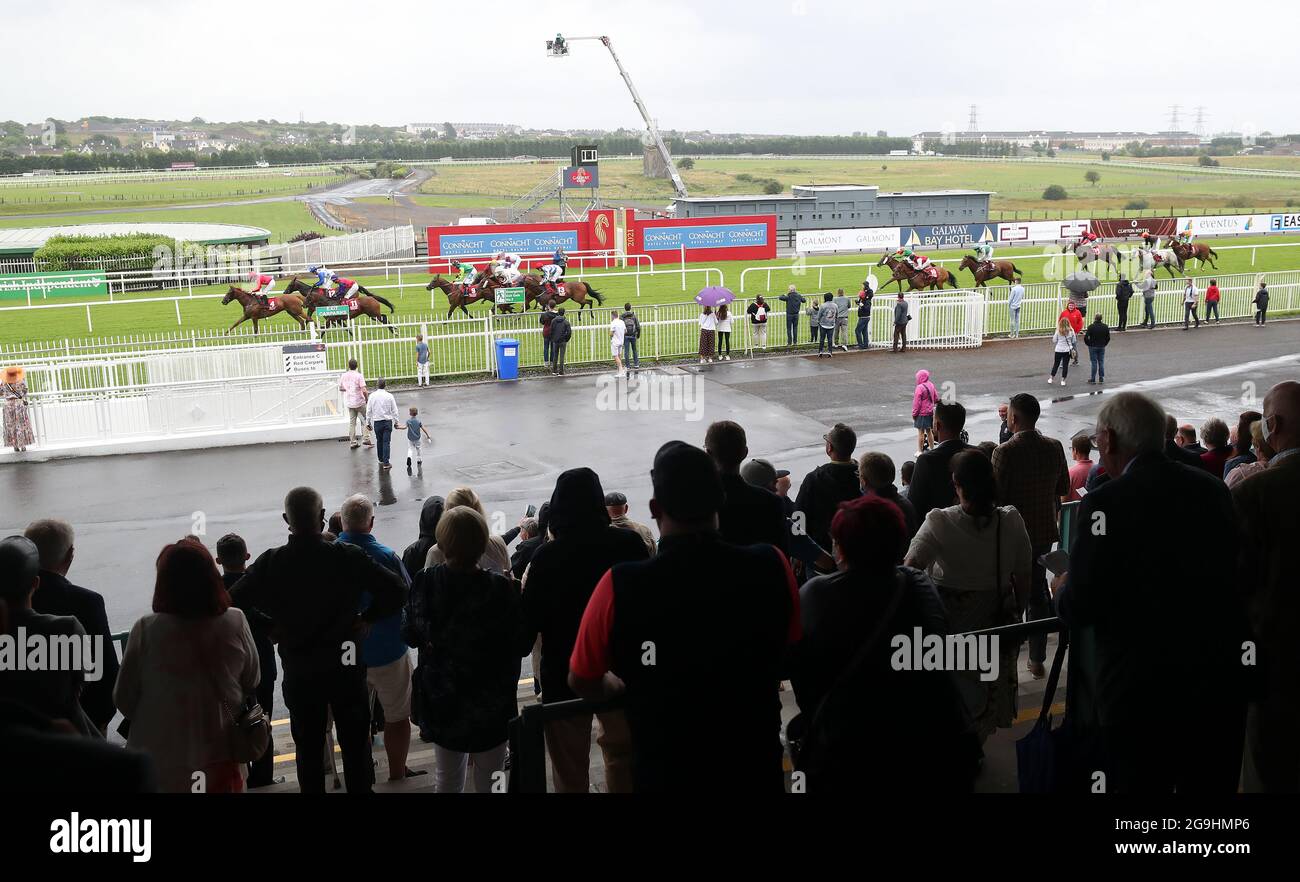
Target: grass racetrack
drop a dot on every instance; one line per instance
(665, 286)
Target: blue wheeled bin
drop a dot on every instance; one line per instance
(507, 359)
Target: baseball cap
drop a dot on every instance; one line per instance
(761, 473)
(613, 498)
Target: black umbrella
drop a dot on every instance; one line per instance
(1081, 282)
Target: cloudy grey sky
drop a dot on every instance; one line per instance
(796, 66)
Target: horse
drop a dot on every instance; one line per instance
(368, 304)
(994, 269)
(457, 298)
(916, 280)
(1085, 254)
(1194, 251)
(1153, 259)
(579, 292)
(254, 310)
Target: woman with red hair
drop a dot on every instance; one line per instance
(864, 721)
(185, 673)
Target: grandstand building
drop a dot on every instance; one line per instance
(842, 206)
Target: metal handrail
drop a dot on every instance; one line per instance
(527, 733)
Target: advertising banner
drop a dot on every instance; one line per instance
(521, 239)
(751, 237)
(1025, 232)
(1225, 224)
(601, 235)
(860, 239)
(947, 236)
(1284, 223)
(19, 286)
(1133, 227)
(580, 177)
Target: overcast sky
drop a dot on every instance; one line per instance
(789, 66)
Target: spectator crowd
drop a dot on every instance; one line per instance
(688, 633)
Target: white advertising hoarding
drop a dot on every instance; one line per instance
(859, 239)
(1024, 232)
(1225, 224)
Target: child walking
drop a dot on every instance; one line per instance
(414, 429)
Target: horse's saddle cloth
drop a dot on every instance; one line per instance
(352, 303)
(987, 266)
(931, 272)
(273, 303)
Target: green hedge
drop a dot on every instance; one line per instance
(81, 252)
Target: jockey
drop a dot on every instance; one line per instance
(561, 260)
(508, 267)
(983, 252)
(1184, 237)
(1149, 242)
(263, 285)
(551, 273)
(919, 262)
(323, 276)
(1087, 237)
(346, 290)
(465, 274)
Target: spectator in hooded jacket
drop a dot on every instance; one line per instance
(825, 487)
(924, 398)
(827, 319)
(1212, 301)
(561, 333)
(557, 586)
(1123, 294)
(758, 313)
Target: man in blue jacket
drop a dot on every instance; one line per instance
(388, 661)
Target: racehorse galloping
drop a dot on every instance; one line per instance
(368, 304)
(1150, 260)
(459, 298)
(1086, 254)
(254, 311)
(993, 269)
(580, 293)
(916, 279)
(1193, 251)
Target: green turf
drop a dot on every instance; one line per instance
(283, 219)
(1017, 185)
(67, 193)
(663, 287)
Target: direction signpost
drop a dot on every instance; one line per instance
(338, 310)
(304, 358)
(510, 296)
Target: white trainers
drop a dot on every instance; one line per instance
(1051, 380)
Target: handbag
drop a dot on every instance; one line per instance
(1042, 754)
(798, 733)
(250, 727)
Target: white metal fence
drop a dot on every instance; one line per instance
(394, 243)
